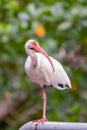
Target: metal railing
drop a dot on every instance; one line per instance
(55, 126)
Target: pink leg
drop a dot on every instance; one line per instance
(44, 103)
(44, 109)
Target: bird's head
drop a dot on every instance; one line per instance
(33, 45)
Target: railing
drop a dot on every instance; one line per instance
(54, 126)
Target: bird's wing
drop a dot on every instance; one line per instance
(59, 79)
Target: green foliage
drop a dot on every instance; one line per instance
(55, 24)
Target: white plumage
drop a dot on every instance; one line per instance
(43, 73)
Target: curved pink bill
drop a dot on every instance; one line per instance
(38, 48)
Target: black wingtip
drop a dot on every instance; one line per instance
(61, 85)
(67, 86)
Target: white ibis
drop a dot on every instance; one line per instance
(45, 71)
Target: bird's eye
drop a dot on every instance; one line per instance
(31, 48)
(61, 85)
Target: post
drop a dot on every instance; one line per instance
(55, 126)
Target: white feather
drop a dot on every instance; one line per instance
(43, 73)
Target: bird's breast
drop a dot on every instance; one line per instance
(41, 74)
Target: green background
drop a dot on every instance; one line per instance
(64, 37)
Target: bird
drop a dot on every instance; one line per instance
(45, 71)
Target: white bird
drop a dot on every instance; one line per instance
(45, 71)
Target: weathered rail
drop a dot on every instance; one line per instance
(55, 126)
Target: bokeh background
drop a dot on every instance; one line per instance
(60, 26)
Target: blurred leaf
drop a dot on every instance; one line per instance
(56, 25)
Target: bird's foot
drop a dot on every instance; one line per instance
(40, 121)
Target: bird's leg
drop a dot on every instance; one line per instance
(44, 109)
(44, 103)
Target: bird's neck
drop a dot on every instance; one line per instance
(33, 57)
